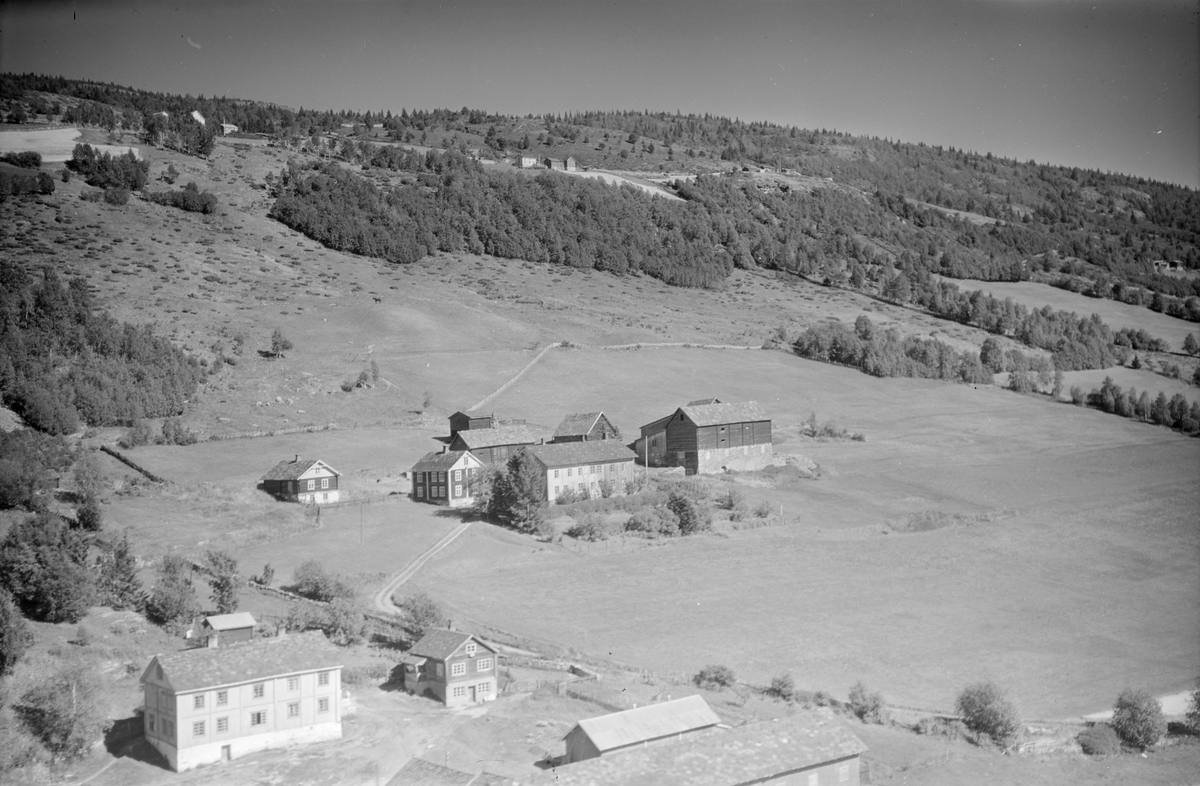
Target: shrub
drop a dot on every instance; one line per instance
(940, 727)
(89, 516)
(312, 581)
(1078, 397)
(763, 509)
(174, 433)
(1138, 718)
(589, 526)
(714, 677)
(138, 434)
(65, 175)
(116, 195)
(424, 614)
(868, 706)
(986, 710)
(1099, 740)
(567, 496)
(366, 675)
(782, 687)
(644, 520)
(692, 517)
(26, 160)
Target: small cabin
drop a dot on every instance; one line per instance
(585, 427)
(465, 421)
(309, 481)
(218, 629)
(652, 724)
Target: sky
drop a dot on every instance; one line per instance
(1112, 85)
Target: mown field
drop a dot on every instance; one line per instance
(1071, 573)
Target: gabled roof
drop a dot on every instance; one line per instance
(648, 723)
(715, 414)
(418, 772)
(441, 643)
(751, 753)
(701, 401)
(249, 661)
(577, 424)
(292, 470)
(657, 425)
(242, 619)
(573, 454)
(499, 435)
(437, 461)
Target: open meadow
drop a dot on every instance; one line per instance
(1069, 571)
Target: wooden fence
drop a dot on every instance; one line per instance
(132, 464)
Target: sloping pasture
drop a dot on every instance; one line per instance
(1076, 576)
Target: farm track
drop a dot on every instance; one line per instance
(383, 599)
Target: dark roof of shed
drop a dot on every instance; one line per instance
(437, 461)
(290, 470)
(700, 401)
(418, 772)
(499, 435)
(577, 424)
(752, 753)
(572, 454)
(440, 643)
(715, 414)
(249, 661)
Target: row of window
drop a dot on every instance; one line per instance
(482, 689)
(257, 718)
(437, 491)
(439, 477)
(592, 469)
(293, 684)
(460, 668)
(312, 484)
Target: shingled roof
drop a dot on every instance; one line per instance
(291, 470)
(650, 722)
(577, 424)
(716, 414)
(491, 437)
(437, 461)
(752, 753)
(440, 643)
(418, 772)
(250, 661)
(573, 454)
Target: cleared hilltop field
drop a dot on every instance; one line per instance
(1068, 568)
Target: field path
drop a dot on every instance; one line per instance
(516, 376)
(383, 599)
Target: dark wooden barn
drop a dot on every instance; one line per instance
(585, 427)
(465, 421)
(704, 438)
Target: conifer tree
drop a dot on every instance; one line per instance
(224, 581)
(118, 584)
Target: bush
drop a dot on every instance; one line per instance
(714, 677)
(138, 434)
(313, 582)
(762, 510)
(174, 433)
(986, 710)
(89, 516)
(589, 526)
(1138, 718)
(1099, 740)
(940, 727)
(424, 614)
(782, 687)
(26, 160)
(868, 706)
(693, 517)
(1078, 397)
(116, 195)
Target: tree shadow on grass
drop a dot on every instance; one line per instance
(124, 740)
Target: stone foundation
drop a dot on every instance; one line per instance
(746, 458)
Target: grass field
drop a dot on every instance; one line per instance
(1116, 315)
(1084, 582)
(54, 144)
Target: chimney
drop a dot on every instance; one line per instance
(449, 624)
(297, 461)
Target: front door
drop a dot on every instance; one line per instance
(226, 753)
(472, 693)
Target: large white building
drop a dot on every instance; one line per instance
(209, 705)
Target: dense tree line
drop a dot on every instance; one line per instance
(190, 198)
(62, 361)
(16, 183)
(1175, 413)
(107, 171)
(453, 205)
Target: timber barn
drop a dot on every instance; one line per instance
(465, 421)
(585, 427)
(653, 724)
(708, 438)
(493, 445)
(310, 481)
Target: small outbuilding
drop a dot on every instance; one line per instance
(584, 427)
(446, 478)
(309, 481)
(653, 724)
(225, 629)
(465, 421)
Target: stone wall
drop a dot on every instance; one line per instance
(745, 458)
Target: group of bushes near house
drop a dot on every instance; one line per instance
(986, 715)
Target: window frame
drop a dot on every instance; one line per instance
(483, 664)
(312, 485)
(293, 684)
(323, 678)
(198, 701)
(222, 698)
(223, 725)
(258, 718)
(293, 709)
(458, 669)
(323, 704)
(198, 729)
(260, 690)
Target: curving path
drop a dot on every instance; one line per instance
(383, 599)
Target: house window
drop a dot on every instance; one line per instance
(293, 709)
(259, 690)
(222, 697)
(568, 472)
(483, 664)
(198, 702)
(556, 473)
(324, 483)
(459, 691)
(458, 476)
(420, 492)
(843, 773)
(325, 497)
(222, 725)
(458, 669)
(198, 729)
(150, 721)
(293, 683)
(556, 492)
(458, 490)
(312, 484)
(483, 689)
(323, 704)
(323, 678)
(258, 718)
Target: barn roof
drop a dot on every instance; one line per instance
(751, 753)
(498, 435)
(441, 643)
(577, 424)
(242, 619)
(648, 723)
(437, 461)
(249, 661)
(701, 401)
(715, 414)
(572, 454)
(292, 470)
